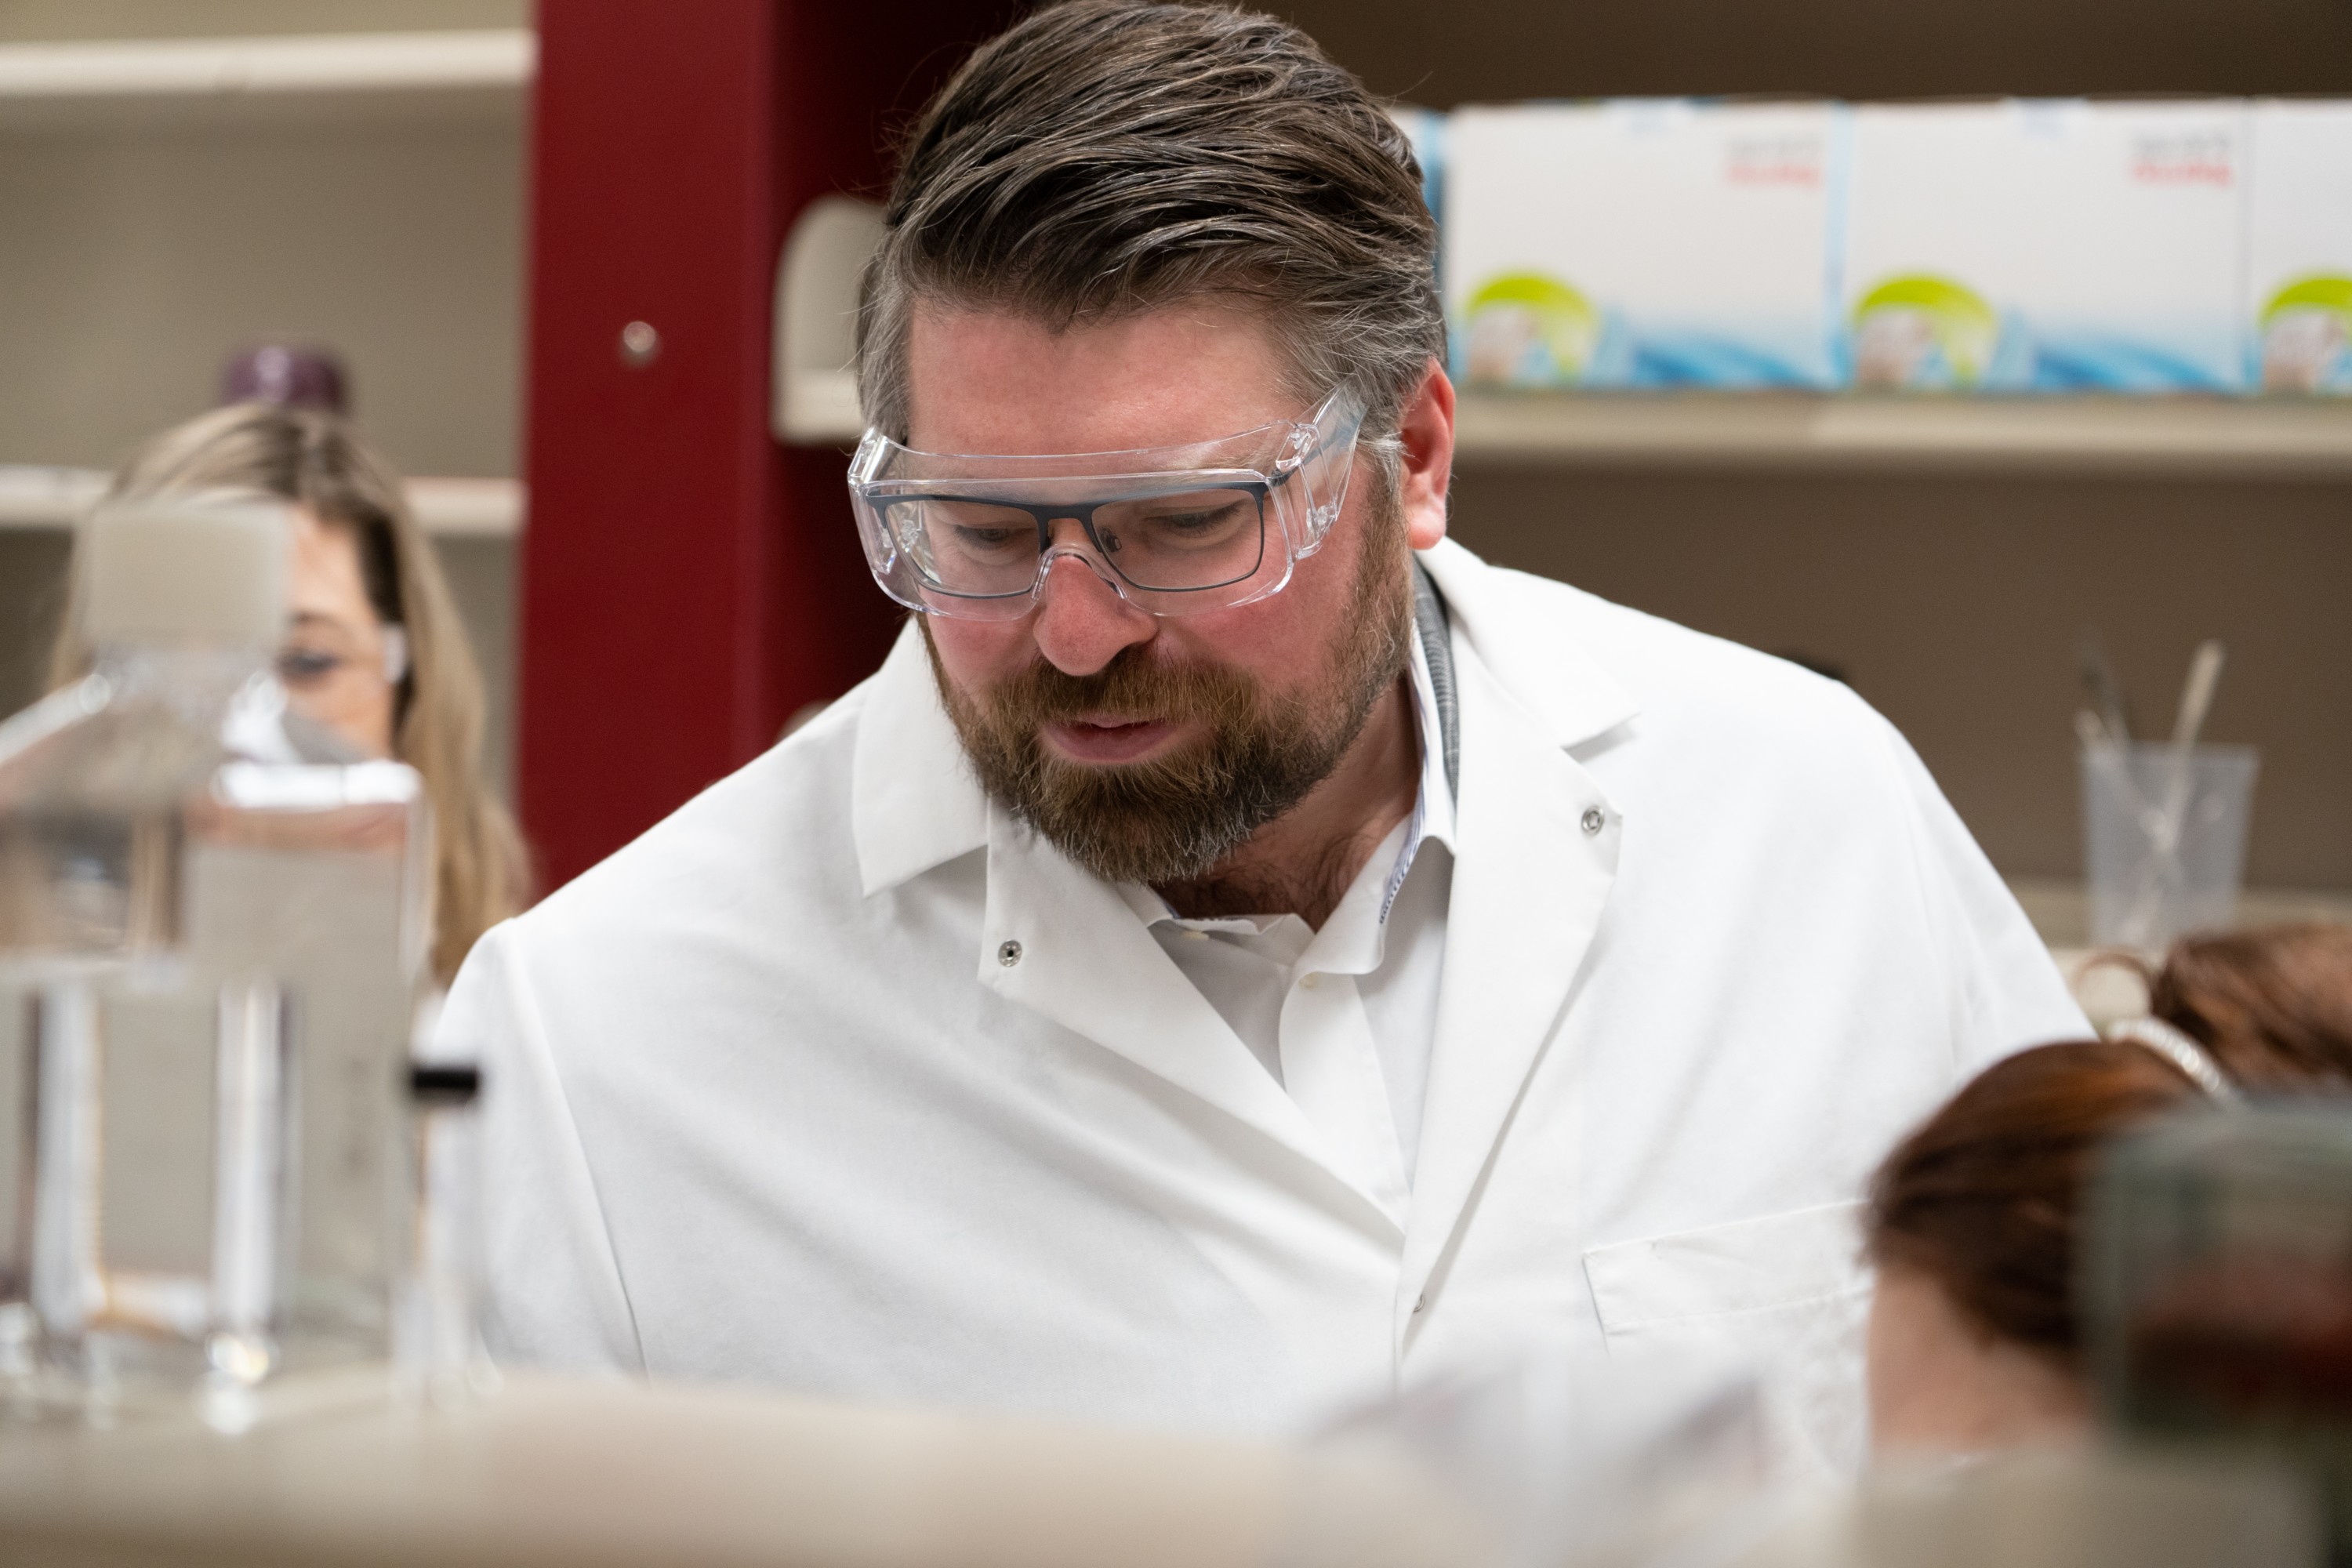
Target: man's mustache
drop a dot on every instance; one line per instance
(1135, 684)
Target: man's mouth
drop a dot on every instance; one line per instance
(1109, 738)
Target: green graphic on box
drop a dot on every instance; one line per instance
(1527, 330)
(2307, 336)
(1921, 331)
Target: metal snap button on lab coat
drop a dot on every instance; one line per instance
(1009, 953)
(1594, 821)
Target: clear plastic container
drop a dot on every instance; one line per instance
(438, 1354)
(2164, 838)
(214, 922)
(2219, 1288)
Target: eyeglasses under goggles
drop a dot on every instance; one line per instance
(1170, 530)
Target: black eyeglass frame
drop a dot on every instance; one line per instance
(1047, 513)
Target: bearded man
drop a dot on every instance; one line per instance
(1240, 949)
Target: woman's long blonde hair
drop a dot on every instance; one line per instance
(314, 459)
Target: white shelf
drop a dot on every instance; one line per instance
(2254, 438)
(41, 497)
(468, 509)
(77, 82)
(33, 497)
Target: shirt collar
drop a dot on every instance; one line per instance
(1433, 806)
(1523, 631)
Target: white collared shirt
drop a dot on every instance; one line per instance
(842, 1079)
(1343, 1017)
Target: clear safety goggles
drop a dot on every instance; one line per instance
(1170, 530)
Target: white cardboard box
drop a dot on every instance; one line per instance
(2299, 248)
(1646, 242)
(2053, 245)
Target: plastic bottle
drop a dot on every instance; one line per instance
(216, 917)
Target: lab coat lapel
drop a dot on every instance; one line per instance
(913, 802)
(1085, 961)
(1529, 883)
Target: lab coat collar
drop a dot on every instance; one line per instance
(1531, 656)
(914, 804)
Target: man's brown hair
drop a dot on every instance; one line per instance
(1105, 157)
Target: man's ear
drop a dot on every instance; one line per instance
(1426, 429)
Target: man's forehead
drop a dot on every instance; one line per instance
(1000, 380)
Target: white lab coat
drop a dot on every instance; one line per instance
(766, 1102)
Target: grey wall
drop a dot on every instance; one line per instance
(1954, 605)
(133, 261)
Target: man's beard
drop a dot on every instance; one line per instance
(1174, 817)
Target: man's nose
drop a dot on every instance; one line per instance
(1082, 623)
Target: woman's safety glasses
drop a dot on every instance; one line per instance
(1170, 529)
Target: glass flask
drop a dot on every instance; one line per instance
(2220, 1288)
(213, 926)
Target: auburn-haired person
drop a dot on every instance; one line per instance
(373, 650)
(1974, 1220)
(2273, 1007)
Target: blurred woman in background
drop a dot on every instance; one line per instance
(373, 649)
(1975, 1339)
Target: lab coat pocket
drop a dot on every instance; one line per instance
(1785, 1295)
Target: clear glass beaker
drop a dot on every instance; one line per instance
(2164, 838)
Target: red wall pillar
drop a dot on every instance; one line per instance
(687, 583)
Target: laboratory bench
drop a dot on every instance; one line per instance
(330, 1472)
